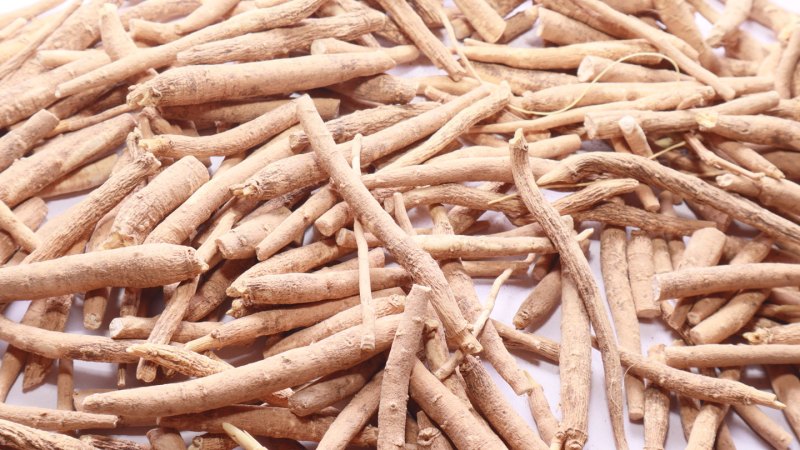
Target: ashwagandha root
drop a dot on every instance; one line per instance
(141, 266)
(575, 264)
(724, 278)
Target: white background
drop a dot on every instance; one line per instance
(92, 375)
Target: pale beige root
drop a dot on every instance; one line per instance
(87, 177)
(430, 45)
(679, 18)
(780, 194)
(292, 288)
(241, 241)
(566, 57)
(79, 123)
(787, 65)
(401, 360)
(52, 317)
(639, 29)
(449, 412)
(211, 292)
(464, 290)
(679, 381)
(168, 321)
(401, 54)
(17, 230)
(753, 252)
(151, 204)
(9, 30)
(782, 313)
(782, 334)
(14, 435)
(640, 273)
(615, 268)
(67, 229)
(540, 304)
(786, 386)
(252, 380)
(230, 142)
(301, 259)
(338, 322)
(766, 427)
(165, 439)
(574, 167)
(333, 388)
(429, 436)
(709, 418)
(472, 247)
(30, 95)
(132, 327)
(746, 157)
(243, 438)
(362, 257)
(707, 280)
(263, 323)
(655, 103)
(55, 345)
(99, 441)
(302, 170)
(56, 420)
(256, 20)
(354, 416)
(11, 67)
(266, 421)
(588, 94)
(28, 12)
(605, 124)
(635, 137)
(295, 224)
(237, 112)
(704, 250)
(184, 220)
(656, 408)
(181, 86)
(65, 384)
(365, 122)
(784, 296)
(613, 71)
(281, 41)
(575, 368)
(730, 355)
(729, 319)
(141, 266)
(497, 99)
(540, 410)
(559, 29)
(489, 400)
(725, 27)
(179, 359)
(377, 89)
(521, 80)
(486, 21)
(18, 141)
(420, 265)
(759, 129)
(493, 269)
(60, 157)
(574, 262)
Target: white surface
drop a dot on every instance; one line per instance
(93, 375)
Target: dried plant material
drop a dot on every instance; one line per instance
(542, 301)
(656, 408)
(640, 271)
(566, 57)
(728, 355)
(615, 269)
(142, 266)
(332, 389)
(575, 264)
(354, 416)
(17, 142)
(181, 86)
(724, 278)
(17, 229)
(165, 438)
(769, 430)
(15, 435)
(420, 265)
(575, 361)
